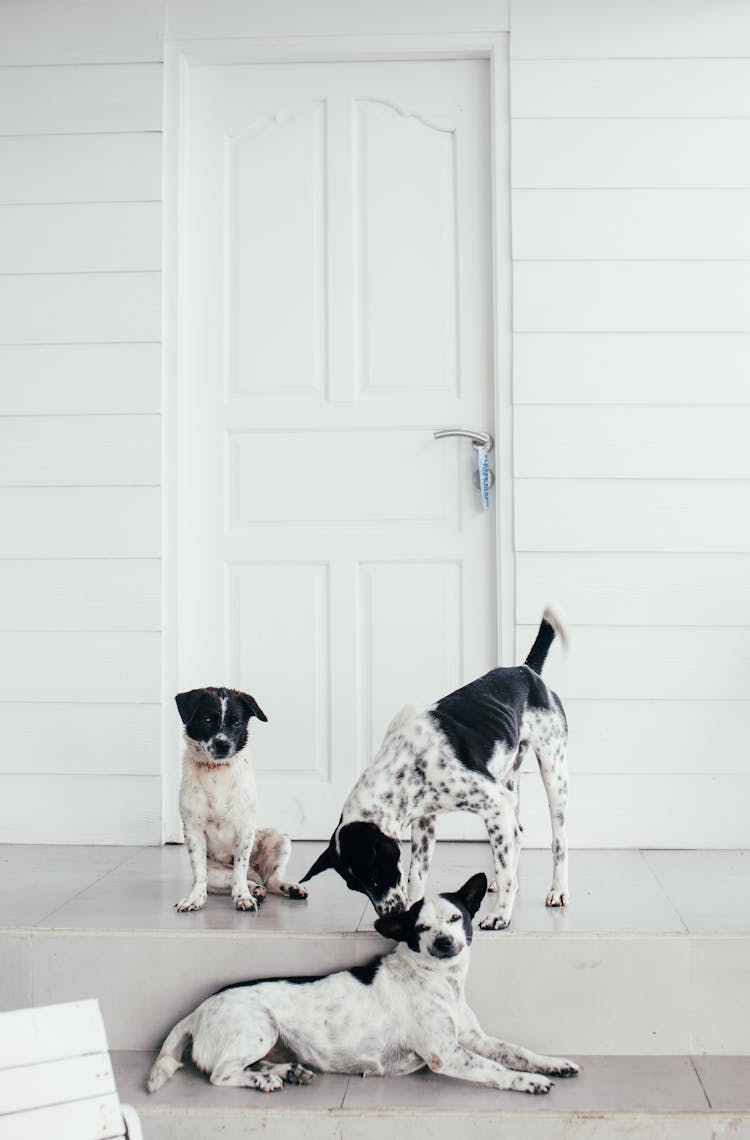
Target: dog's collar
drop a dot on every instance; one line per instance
(211, 764)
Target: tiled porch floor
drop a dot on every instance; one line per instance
(134, 888)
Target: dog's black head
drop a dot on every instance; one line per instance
(368, 860)
(439, 927)
(216, 719)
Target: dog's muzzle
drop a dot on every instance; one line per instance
(444, 947)
(394, 902)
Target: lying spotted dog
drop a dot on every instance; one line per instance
(399, 1013)
(462, 754)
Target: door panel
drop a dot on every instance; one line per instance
(335, 311)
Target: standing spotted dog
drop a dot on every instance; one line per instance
(218, 802)
(462, 754)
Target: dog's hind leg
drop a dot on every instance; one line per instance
(291, 1072)
(268, 861)
(422, 850)
(549, 739)
(241, 1063)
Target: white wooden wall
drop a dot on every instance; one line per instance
(80, 242)
(630, 145)
(630, 142)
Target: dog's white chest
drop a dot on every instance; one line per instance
(219, 801)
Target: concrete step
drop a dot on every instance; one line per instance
(651, 1098)
(652, 956)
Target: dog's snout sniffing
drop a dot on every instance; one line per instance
(393, 903)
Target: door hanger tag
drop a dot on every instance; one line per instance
(483, 475)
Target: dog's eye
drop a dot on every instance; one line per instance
(421, 928)
(456, 918)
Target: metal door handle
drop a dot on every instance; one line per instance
(478, 438)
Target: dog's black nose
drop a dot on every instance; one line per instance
(220, 747)
(442, 943)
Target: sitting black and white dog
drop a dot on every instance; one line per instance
(401, 1012)
(218, 803)
(462, 754)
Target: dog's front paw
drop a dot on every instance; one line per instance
(258, 891)
(494, 921)
(558, 897)
(531, 1083)
(244, 902)
(190, 902)
(562, 1067)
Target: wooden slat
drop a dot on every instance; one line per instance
(620, 153)
(80, 99)
(80, 31)
(63, 308)
(83, 379)
(599, 225)
(79, 595)
(546, 29)
(631, 443)
(80, 809)
(55, 1082)
(79, 451)
(51, 1033)
(630, 88)
(631, 368)
(196, 19)
(650, 663)
(118, 667)
(676, 810)
(610, 296)
(80, 168)
(95, 1119)
(81, 238)
(639, 515)
(80, 522)
(656, 737)
(68, 738)
(636, 589)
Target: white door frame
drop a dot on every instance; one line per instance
(179, 55)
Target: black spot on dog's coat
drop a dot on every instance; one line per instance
(488, 711)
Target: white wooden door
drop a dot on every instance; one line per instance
(335, 310)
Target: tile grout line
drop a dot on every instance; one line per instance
(663, 889)
(700, 1082)
(77, 894)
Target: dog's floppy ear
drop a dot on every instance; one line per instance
(252, 706)
(472, 892)
(186, 703)
(397, 925)
(325, 862)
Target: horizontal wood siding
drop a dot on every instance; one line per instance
(209, 19)
(630, 145)
(80, 463)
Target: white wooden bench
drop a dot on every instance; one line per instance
(56, 1080)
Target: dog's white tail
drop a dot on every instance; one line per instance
(170, 1057)
(552, 625)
